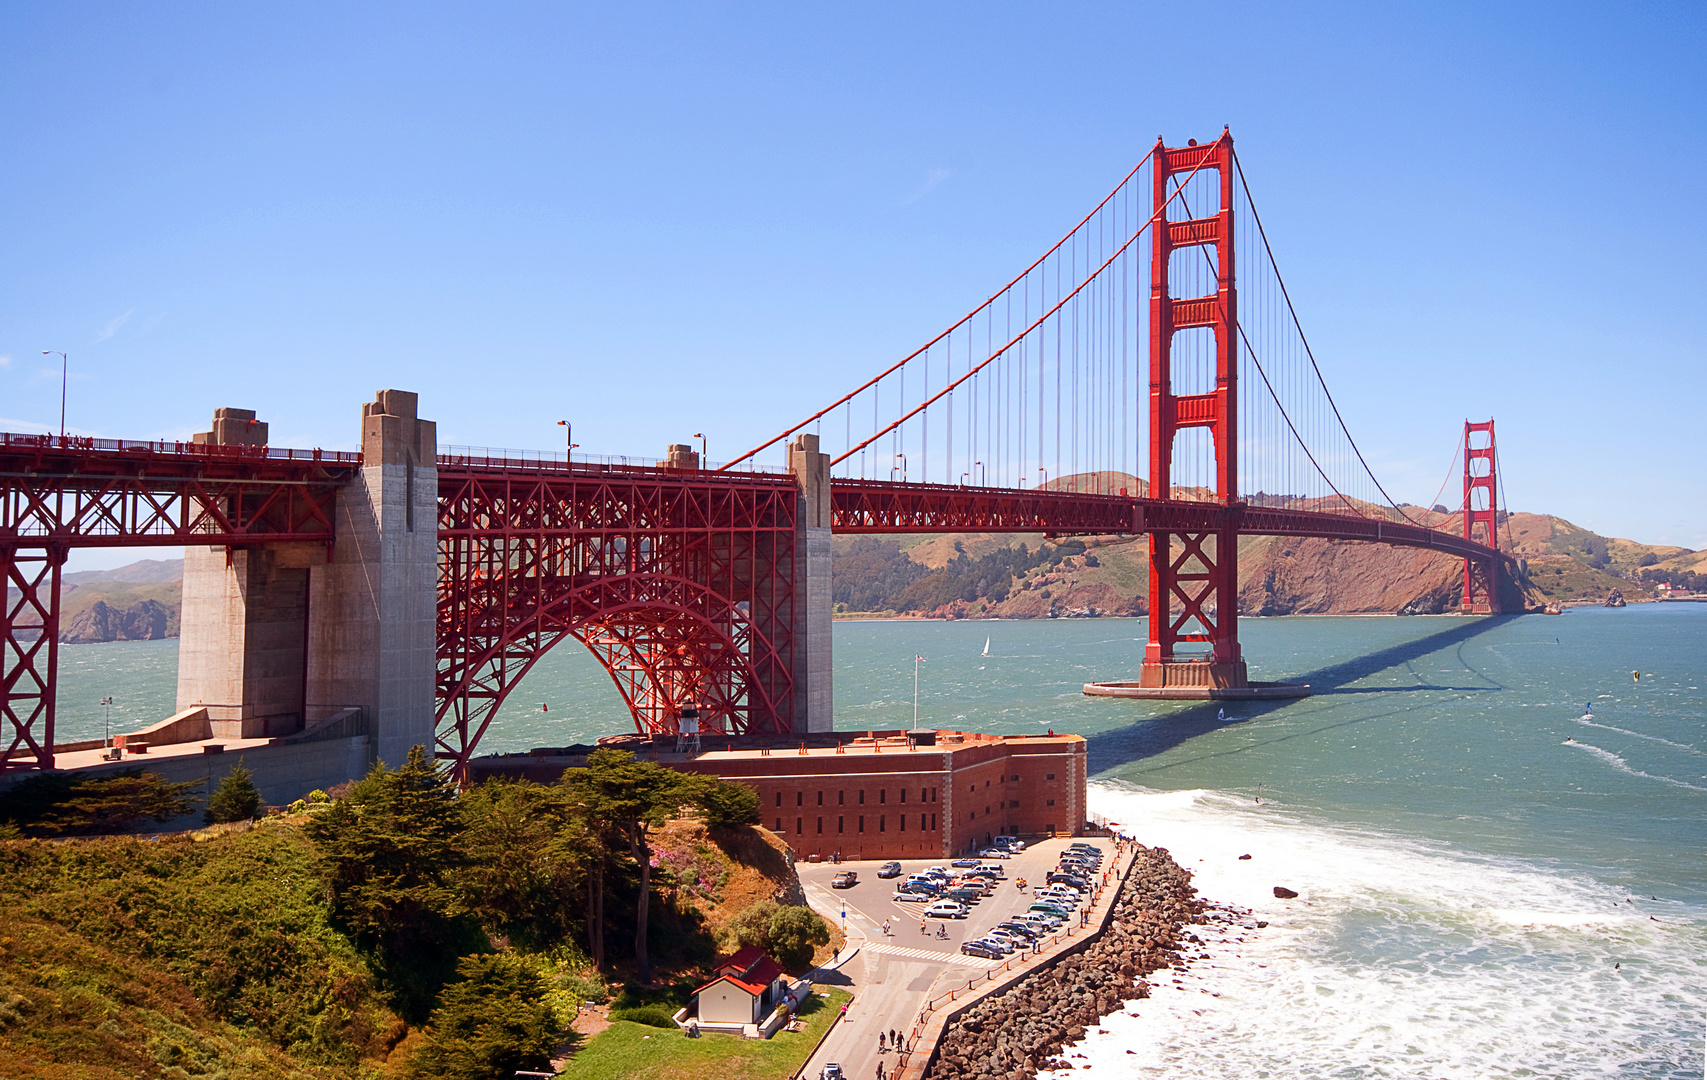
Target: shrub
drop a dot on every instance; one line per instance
(659, 1016)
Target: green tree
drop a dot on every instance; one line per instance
(795, 933)
(235, 799)
(78, 804)
(392, 851)
(625, 799)
(727, 804)
(527, 855)
(492, 1021)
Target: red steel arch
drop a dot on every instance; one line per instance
(681, 582)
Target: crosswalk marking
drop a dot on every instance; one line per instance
(930, 954)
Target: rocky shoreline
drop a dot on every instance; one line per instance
(1023, 1030)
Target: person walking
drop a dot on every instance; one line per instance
(895, 1038)
(881, 1044)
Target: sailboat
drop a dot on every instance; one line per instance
(986, 651)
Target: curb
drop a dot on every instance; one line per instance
(800, 1073)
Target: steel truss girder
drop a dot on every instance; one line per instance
(680, 583)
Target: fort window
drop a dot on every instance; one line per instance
(799, 826)
(1015, 776)
(779, 798)
(842, 796)
(903, 794)
(820, 798)
(862, 796)
(799, 798)
(1049, 776)
(933, 821)
(883, 823)
(839, 823)
(779, 825)
(903, 823)
(883, 795)
(820, 826)
(1050, 802)
(862, 823)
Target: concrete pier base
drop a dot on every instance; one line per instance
(1251, 691)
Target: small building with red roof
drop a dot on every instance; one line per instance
(744, 988)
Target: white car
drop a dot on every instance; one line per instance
(946, 909)
(1005, 946)
(910, 897)
(994, 853)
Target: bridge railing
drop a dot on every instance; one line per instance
(505, 457)
(75, 444)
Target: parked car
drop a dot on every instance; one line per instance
(1014, 926)
(994, 853)
(1009, 843)
(908, 896)
(832, 1071)
(976, 948)
(1006, 947)
(985, 875)
(1064, 877)
(888, 870)
(1080, 845)
(946, 909)
(1044, 907)
(844, 879)
(964, 863)
(919, 888)
(1009, 937)
(965, 895)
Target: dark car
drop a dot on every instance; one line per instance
(922, 888)
(964, 863)
(1030, 933)
(889, 870)
(1061, 877)
(965, 895)
(976, 948)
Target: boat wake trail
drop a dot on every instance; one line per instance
(1624, 766)
(1586, 722)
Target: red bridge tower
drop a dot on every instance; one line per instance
(1481, 518)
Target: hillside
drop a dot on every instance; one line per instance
(242, 951)
(1027, 576)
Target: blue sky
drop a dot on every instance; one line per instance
(658, 220)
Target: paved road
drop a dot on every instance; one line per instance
(893, 976)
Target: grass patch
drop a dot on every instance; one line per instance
(636, 1052)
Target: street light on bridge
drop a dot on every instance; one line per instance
(568, 441)
(704, 462)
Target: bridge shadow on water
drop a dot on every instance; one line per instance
(1108, 750)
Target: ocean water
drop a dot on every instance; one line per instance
(1497, 834)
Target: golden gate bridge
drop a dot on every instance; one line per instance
(1157, 337)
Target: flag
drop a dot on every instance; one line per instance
(920, 659)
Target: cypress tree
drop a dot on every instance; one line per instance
(235, 799)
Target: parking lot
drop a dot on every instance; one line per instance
(894, 974)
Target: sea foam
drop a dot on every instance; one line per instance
(1398, 959)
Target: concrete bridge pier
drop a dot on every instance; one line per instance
(279, 636)
(373, 608)
(814, 699)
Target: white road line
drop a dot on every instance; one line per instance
(930, 954)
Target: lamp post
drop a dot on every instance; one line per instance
(903, 459)
(568, 441)
(983, 474)
(107, 703)
(64, 372)
(1045, 473)
(917, 660)
(704, 462)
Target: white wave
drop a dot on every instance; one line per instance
(1586, 722)
(1625, 767)
(1398, 959)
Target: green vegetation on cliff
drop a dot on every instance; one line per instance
(401, 930)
